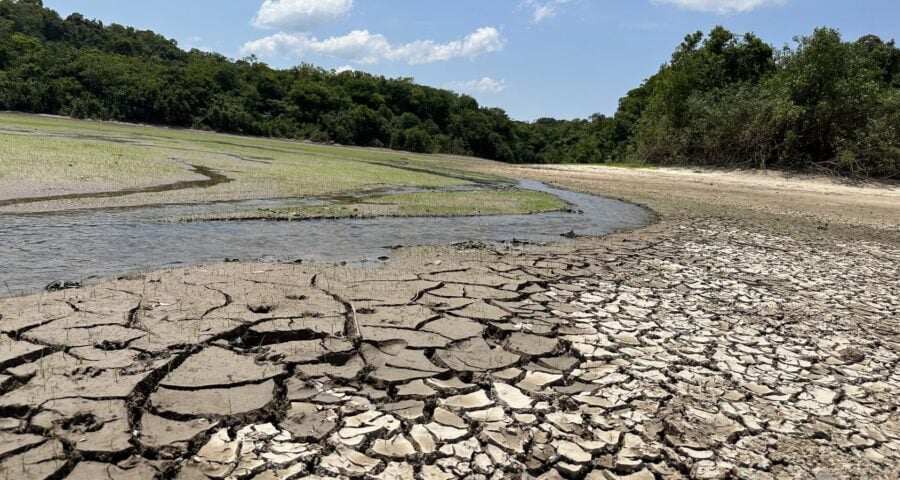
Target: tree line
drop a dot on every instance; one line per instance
(723, 99)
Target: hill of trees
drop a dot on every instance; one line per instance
(722, 100)
(735, 101)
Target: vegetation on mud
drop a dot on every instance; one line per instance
(82, 162)
(432, 204)
(69, 155)
(723, 100)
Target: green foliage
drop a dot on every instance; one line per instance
(824, 105)
(723, 99)
(84, 69)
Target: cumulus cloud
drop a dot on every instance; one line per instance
(542, 10)
(300, 15)
(361, 46)
(484, 85)
(195, 42)
(721, 6)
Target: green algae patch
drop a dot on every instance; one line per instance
(411, 204)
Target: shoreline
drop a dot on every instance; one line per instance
(722, 340)
(147, 240)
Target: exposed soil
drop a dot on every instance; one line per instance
(770, 197)
(748, 334)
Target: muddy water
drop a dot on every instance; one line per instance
(90, 245)
(212, 179)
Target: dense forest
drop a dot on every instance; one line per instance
(723, 99)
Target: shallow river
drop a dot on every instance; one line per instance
(90, 245)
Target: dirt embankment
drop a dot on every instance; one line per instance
(751, 333)
(772, 197)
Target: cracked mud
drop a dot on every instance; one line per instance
(692, 349)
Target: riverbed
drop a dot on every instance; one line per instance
(91, 245)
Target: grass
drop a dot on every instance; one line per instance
(233, 144)
(431, 204)
(494, 202)
(50, 156)
(67, 156)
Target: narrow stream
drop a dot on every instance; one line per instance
(87, 246)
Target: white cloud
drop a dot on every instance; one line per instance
(721, 6)
(542, 10)
(344, 68)
(485, 85)
(272, 45)
(300, 15)
(361, 46)
(195, 42)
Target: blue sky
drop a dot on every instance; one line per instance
(534, 58)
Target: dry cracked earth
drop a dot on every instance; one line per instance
(688, 350)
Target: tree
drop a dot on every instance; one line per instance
(722, 99)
